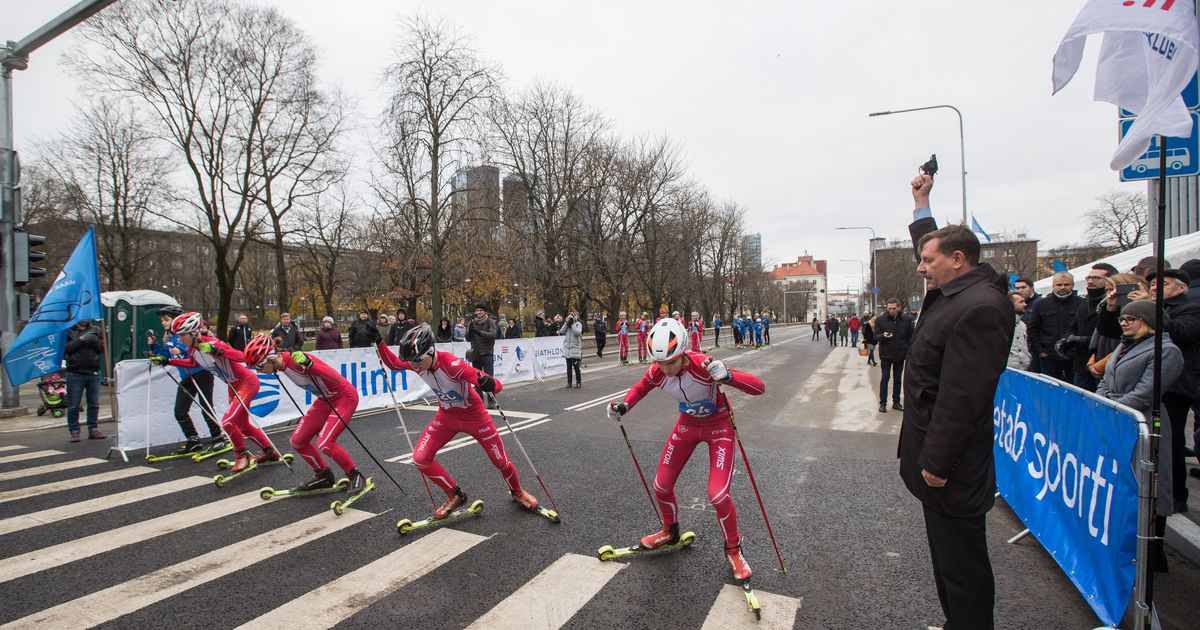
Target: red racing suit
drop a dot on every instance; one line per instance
(643, 329)
(703, 417)
(229, 365)
(696, 328)
(322, 420)
(461, 410)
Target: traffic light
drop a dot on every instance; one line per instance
(24, 256)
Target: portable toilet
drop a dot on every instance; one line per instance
(128, 316)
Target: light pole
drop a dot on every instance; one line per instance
(862, 275)
(962, 145)
(874, 263)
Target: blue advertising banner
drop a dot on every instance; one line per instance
(1064, 464)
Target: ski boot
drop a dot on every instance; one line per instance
(530, 502)
(669, 535)
(322, 481)
(357, 481)
(268, 456)
(359, 486)
(191, 446)
(455, 499)
(668, 539)
(741, 570)
(216, 446)
(243, 463)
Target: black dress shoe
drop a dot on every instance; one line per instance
(882, 408)
(897, 406)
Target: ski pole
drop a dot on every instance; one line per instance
(753, 483)
(205, 407)
(638, 466)
(289, 395)
(529, 461)
(346, 426)
(149, 377)
(250, 417)
(403, 427)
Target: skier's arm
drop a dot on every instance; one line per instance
(649, 381)
(228, 351)
(390, 359)
(746, 382)
(186, 361)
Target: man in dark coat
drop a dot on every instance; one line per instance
(1051, 321)
(287, 335)
(239, 335)
(893, 332)
(363, 333)
(1078, 342)
(958, 351)
(397, 330)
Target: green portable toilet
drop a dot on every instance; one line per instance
(127, 317)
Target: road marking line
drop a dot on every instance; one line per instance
(553, 596)
(71, 484)
(70, 551)
(14, 447)
(730, 611)
(24, 456)
(336, 601)
(458, 443)
(73, 510)
(49, 468)
(602, 402)
(494, 412)
(605, 398)
(122, 599)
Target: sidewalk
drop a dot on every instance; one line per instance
(1183, 530)
(30, 399)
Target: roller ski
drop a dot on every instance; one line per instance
(188, 449)
(741, 575)
(530, 502)
(216, 447)
(447, 513)
(357, 487)
(241, 465)
(262, 459)
(323, 482)
(669, 539)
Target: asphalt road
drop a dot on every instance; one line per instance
(851, 536)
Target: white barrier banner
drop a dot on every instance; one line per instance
(146, 395)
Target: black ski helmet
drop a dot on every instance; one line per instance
(416, 343)
(172, 311)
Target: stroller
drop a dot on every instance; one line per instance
(53, 389)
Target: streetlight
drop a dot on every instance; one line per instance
(962, 146)
(874, 263)
(862, 274)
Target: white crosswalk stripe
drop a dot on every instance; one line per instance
(75, 510)
(338, 600)
(8, 459)
(49, 468)
(552, 597)
(730, 611)
(11, 447)
(122, 599)
(70, 484)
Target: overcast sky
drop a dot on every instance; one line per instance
(768, 99)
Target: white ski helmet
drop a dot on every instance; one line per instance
(666, 340)
(187, 324)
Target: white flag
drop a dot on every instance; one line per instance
(1148, 56)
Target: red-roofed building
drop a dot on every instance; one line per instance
(805, 269)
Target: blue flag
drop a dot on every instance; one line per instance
(975, 227)
(1059, 266)
(1012, 281)
(75, 296)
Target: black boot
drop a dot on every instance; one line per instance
(192, 445)
(322, 480)
(357, 481)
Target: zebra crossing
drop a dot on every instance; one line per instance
(126, 526)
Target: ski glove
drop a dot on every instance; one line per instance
(719, 372)
(208, 348)
(486, 382)
(156, 360)
(616, 410)
(301, 359)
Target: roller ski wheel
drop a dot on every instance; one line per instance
(266, 494)
(339, 506)
(212, 451)
(608, 552)
(752, 600)
(286, 459)
(404, 526)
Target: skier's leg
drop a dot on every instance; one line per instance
(306, 429)
(484, 432)
(247, 388)
(675, 454)
(721, 456)
(432, 439)
(183, 402)
(345, 404)
(202, 384)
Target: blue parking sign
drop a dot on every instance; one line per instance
(1191, 97)
(1183, 155)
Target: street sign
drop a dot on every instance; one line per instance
(1191, 98)
(875, 290)
(1183, 155)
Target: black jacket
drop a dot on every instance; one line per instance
(1183, 325)
(600, 329)
(541, 328)
(1051, 321)
(868, 333)
(290, 335)
(1083, 325)
(894, 348)
(396, 331)
(239, 336)
(443, 335)
(959, 349)
(1027, 316)
(482, 336)
(514, 331)
(363, 334)
(84, 350)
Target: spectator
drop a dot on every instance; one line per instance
(83, 352)
(391, 321)
(287, 335)
(1104, 344)
(1080, 336)
(514, 329)
(831, 330)
(572, 330)
(502, 326)
(460, 330)
(397, 328)
(540, 327)
(736, 325)
(893, 333)
(1051, 321)
(363, 333)
(816, 326)
(957, 356)
(868, 332)
(1018, 352)
(383, 324)
(481, 333)
(1129, 380)
(1024, 286)
(444, 332)
(239, 335)
(854, 325)
(716, 324)
(328, 336)
(1192, 269)
(1147, 265)
(1183, 325)
(843, 330)
(557, 327)
(601, 331)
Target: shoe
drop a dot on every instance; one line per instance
(268, 455)
(74, 436)
(357, 481)
(525, 498)
(882, 408)
(218, 442)
(897, 406)
(241, 462)
(741, 570)
(95, 434)
(1181, 507)
(668, 535)
(454, 500)
(569, 386)
(1194, 472)
(578, 385)
(323, 479)
(192, 445)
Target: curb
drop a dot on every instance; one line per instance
(61, 423)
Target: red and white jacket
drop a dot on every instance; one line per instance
(320, 378)
(698, 394)
(452, 379)
(228, 362)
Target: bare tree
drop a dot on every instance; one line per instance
(327, 236)
(1119, 219)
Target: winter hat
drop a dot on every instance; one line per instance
(1143, 310)
(481, 305)
(1177, 274)
(1191, 268)
(327, 319)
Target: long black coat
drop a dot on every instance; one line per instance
(957, 354)
(894, 348)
